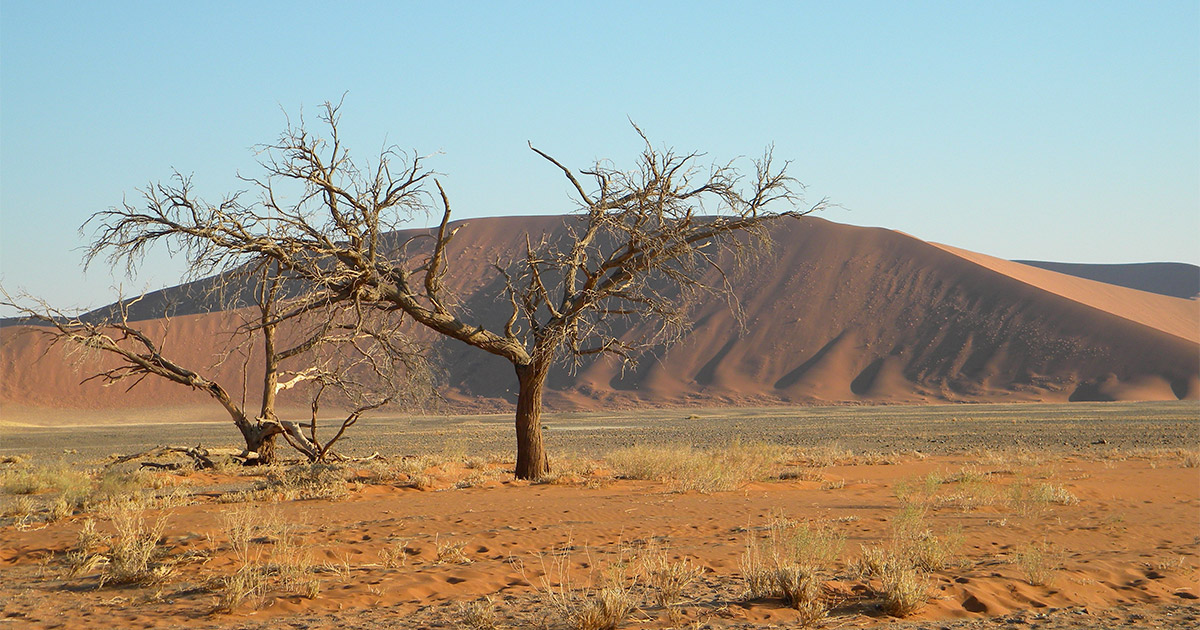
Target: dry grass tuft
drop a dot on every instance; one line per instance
(478, 615)
(271, 556)
(1028, 499)
(792, 562)
(716, 470)
(1039, 562)
(33, 479)
(85, 556)
(599, 604)
(667, 578)
(395, 555)
(449, 552)
(306, 481)
(135, 553)
(604, 610)
(901, 589)
(249, 580)
(802, 589)
(757, 567)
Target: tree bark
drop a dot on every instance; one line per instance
(265, 448)
(532, 462)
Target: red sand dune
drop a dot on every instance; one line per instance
(834, 314)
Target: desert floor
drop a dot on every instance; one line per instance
(1003, 516)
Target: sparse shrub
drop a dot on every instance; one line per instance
(836, 484)
(1027, 499)
(60, 509)
(420, 481)
(1050, 493)
(969, 475)
(85, 556)
(716, 470)
(308, 481)
(249, 580)
(913, 540)
(590, 607)
(605, 610)
(396, 555)
(135, 552)
(23, 508)
(814, 548)
(825, 455)
(666, 577)
(909, 523)
(450, 552)
(286, 565)
(1039, 562)
(802, 588)
(35, 479)
(478, 615)
(790, 563)
(931, 552)
(293, 564)
(757, 567)
(902, 590)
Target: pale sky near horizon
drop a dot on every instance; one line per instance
(1065, 131)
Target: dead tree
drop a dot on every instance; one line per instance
(639, 248)
(140, 356)
(369, 363)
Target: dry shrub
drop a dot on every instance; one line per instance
(825, 455)
(1027, 499)
(715, 470)
(1051, 493)
(757, 567)
(666, 577)
(34, 479)
(293, 565)
(792, 562)
(904, 591)
(249, 580)
(450, 552)
(901, 589)
(395, 555)
(812, 547)
(270, 555)
(307, 481)
(135, 553)
(914, 541)
(599, 604)
(85, 556)
(1039, 562)
(836, 484)
(477, 615)
(605, 610)
(802, 588)
(23, 509)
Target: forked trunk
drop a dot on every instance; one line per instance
(264, 445)
(532, 462)
(259, 437)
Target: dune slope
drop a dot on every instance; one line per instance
(832, 314)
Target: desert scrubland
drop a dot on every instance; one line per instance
(1047, 515)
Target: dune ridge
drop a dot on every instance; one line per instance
(832, 314)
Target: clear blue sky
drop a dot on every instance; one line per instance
(1049, 130)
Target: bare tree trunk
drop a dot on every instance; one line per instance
(532, 462)
(259, 437)
(264, 446)
(270, 372)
